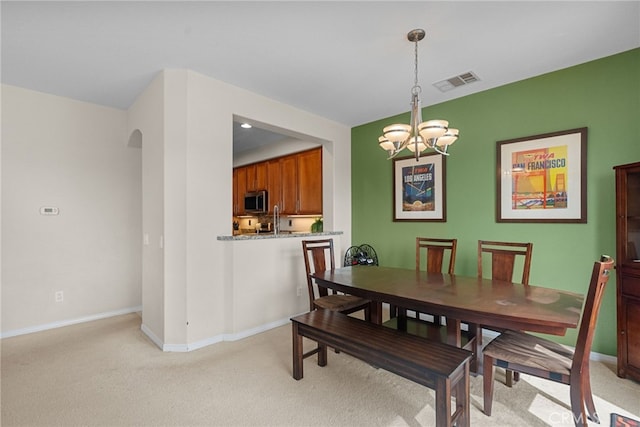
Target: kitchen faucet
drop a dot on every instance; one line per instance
(276, 220)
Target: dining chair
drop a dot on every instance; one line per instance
(534, 355)
(317, 255)
(502, 266)
(503, 259)
(430, 257)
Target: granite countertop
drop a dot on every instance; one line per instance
(280, 235)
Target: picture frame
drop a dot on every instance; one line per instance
(542, 178)
(419, 190)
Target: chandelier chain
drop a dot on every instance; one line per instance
(416, 89)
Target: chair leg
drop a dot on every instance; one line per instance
(588, 397)
(487, 383)
(392, 311)
(577, 402)
(478, 332)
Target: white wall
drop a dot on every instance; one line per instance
(197, 189)
(74, 156)
(147, 116)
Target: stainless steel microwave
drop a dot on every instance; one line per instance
(256, 202)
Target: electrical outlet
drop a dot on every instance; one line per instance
(299, 291)
(59, 296)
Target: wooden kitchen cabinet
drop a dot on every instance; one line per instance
(293, 182)
(310, 182)
(628, 269)
(302, 183)
(247, 178)
(274, 183)
(256, 176)
(289, 182)
(239, 189)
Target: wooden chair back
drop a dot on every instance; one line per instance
(434, 251)
(538, 356)
(503, 259)
(317, 254)
(599, 278)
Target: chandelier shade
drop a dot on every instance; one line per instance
(417, 136)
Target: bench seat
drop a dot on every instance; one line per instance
(441, 367)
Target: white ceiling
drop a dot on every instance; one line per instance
(346, 61)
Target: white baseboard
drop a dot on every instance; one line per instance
(69, 322)
(182, 348)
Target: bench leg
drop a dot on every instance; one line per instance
(297, 352)
(462, 398)
(445, 389)
(443, 402)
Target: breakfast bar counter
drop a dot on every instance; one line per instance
(280, 235)
(265, 280)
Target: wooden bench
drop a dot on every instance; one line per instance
(441, 367)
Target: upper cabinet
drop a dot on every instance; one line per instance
(293, 182)
(239, 189)
(289, 185)
(256, 176)
(274, 183)
(309, 169)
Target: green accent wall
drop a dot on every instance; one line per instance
(602, 95)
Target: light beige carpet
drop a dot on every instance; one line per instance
(108, 373)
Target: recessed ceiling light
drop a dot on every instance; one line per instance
(245, 126)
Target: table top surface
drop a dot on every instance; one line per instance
(469, 299)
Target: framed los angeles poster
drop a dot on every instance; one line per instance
(543, 178)
(419, 188)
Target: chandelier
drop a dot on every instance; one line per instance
(417, 136)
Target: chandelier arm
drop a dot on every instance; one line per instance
(443, 152)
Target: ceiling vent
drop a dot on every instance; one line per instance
(454, 82)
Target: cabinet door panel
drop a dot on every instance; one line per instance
(274, 184)
(289, 187)
(256, 176)
(630, 285)
(240, 188)
(310, 182)
(633, 332)
(261, 176)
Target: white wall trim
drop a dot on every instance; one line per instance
(223, 337)
(70, 322)
(153, 337)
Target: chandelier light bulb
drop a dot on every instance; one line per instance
(385, 144)
(397, 133)
(448, 138)
(411, 145)
(432, 129)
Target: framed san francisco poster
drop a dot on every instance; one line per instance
(543, 178)
(419, 188)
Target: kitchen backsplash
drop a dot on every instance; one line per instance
(248, 225)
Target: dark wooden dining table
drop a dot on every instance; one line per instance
(494, 303)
